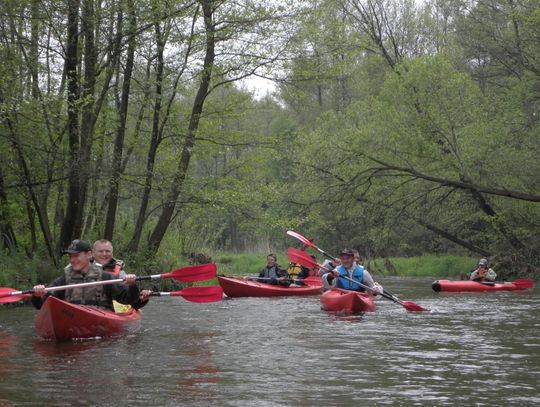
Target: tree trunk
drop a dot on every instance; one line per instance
(453, 238)
(88, 113)
(133, 244)
(74, 168)
(168, 209)
(110, 218)
(7, 235)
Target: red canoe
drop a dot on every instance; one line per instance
(61, 321)
(237, 287)
(473, 286)
(346, 301)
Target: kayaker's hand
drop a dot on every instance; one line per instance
(130, 279)
(145, 295)
(39, 290)
(377, 289)
(335, 273)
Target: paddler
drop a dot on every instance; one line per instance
(81, 270)
(483, 272)
(103, 255)
(353, 271)
(273, 273)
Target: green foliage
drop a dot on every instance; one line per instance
(427, 266)
(243, 264)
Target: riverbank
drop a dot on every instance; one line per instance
(420, 266)
(24, 274)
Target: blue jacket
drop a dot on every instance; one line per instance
(358, 275)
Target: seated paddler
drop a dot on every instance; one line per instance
(348, 275)
(273, 273)
(483, 273)
(82, 269)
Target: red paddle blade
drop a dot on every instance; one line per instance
(303, 239)
(301, 257)
(6, 297)
(411, 306)
(190, 274)
(523, 283)
(200, 294)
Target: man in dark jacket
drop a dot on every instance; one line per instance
(82, 270)
(272, 273)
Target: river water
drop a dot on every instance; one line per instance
(470, 350)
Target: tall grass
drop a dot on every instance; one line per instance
(422, 266)
(426, 266)
(243, 264)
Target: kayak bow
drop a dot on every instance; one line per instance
(62, 321)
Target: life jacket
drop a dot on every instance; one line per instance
(115, 267)
(294, 269)
(86, 295)
(358, 275)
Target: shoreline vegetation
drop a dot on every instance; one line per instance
(22, 275)
(418, 266)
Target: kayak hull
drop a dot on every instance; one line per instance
(237, 287)
(474, 286)
(347, 302)
(61, 321)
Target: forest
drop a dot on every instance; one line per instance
(397, 127)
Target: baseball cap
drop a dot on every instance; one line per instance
(482, 262)
(77, 246)
(346, 252)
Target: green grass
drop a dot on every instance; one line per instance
(422, 266)
(243, 264)
(426, 266)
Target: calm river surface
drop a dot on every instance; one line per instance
(471, 350)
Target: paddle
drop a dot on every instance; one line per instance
(309, 243)
(186, 274)
(408, 305)
(6, 295)
(253, 278)
(195, 294)
(522, 283)
(305, 260)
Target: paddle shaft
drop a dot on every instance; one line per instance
(268, 278)
(186, 274)
(309, 243)
(66, 287)
(195, 294)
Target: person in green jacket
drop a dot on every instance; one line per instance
(82, 270)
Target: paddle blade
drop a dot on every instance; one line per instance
(303, 239)
(523, 283)
(190, 274)
(200, 294)
(7, 297)
(301, 257)
(411, 306)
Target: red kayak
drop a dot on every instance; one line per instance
(238, 287)
(474, 286)
(61, 321)
(346, 301)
